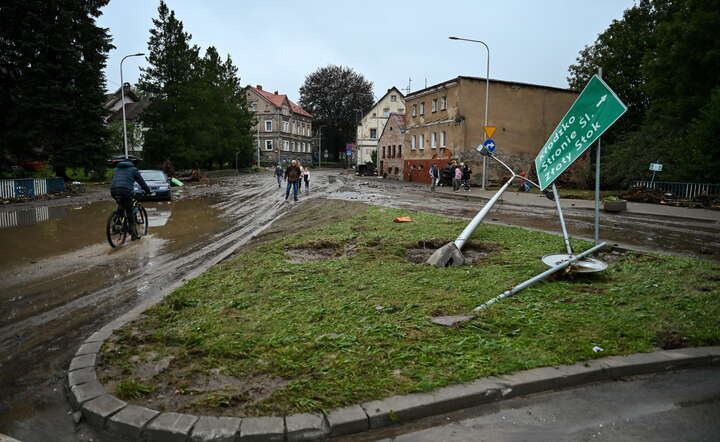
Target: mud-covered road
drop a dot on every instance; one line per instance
(61, 280)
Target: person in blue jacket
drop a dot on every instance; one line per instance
(121, 189)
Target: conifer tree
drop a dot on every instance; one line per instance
(52, 55)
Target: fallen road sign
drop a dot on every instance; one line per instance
(594, 111)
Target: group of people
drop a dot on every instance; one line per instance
(294, 174)
(459, 174)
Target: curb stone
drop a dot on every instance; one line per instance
(103, 410)
(5, 438)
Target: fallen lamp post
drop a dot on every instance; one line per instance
(450, 254)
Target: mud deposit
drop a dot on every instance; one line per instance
(179, 384)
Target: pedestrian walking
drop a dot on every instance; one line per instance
(306, 177)
(466, 173)
(457, 177)
(300, 178)
(279, 174)
(524, 184)
(434, 176)
(292, 175)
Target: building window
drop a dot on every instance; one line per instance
(422, 108)
(433, 105)
(414, 110)
(268, 145)
(393, 98)
(443, 103)
(433, 140)
(399, 153)
(294, 128)
(397, 171)
(383, 155)
(285, 111)
(373, 133)
(285, 126)
(412, 142)
(422, 142)
(442, 139)
(253, 106)
(386, 112)
(394, 152)
(268, 125)
(286, 145)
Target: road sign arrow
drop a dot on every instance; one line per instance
(602, 100)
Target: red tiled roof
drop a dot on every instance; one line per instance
(279, 99)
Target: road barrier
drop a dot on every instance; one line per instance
(30, 187)
(681, 190)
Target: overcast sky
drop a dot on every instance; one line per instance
(276, 43)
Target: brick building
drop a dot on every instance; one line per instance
(283, 129)
(446, 121)
(390, 147)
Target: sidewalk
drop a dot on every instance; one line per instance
(538, 200)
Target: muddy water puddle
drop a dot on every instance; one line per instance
(62, 255)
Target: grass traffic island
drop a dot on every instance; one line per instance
(340, 314)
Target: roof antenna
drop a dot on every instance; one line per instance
(407, 89)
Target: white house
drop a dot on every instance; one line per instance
(373, 123)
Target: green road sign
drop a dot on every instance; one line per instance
(595, 110)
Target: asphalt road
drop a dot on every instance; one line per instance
(675, 406)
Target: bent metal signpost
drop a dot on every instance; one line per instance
(594, 111)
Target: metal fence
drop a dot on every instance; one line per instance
(30, 187)
(681, 190)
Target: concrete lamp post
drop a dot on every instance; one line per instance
(122, 95)
(487, 97)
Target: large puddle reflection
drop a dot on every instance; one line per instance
(28, 235)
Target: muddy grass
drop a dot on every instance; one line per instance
(338, 314)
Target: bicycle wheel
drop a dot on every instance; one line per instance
(115, 229)
(141, 220)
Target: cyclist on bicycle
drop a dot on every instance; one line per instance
(121, 189)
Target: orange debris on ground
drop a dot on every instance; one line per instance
(402, 219)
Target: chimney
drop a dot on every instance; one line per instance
(259, 87)
(276, 92)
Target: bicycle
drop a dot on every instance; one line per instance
(118, 226)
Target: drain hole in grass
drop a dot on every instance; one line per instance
(473, 251)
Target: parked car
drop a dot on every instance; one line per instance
(158, 183)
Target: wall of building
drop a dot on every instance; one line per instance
(299, 142)
(391, 148)
(375, 119)
(525, 115)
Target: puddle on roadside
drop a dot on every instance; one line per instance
(30, 235)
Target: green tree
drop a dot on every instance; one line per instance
(223, 121)
(165, 82)
(197, 115)
(336, 96)
(664, 64)
(52, 56)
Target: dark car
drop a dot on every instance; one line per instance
(158, 183)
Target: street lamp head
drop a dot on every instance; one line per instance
(139, 54)
(453, 38)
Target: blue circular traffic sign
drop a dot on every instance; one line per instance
(489, 144)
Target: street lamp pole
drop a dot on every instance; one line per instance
(122, 95)
(320, 147)
(487, 98)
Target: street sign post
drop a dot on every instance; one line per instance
(594, 111)
(489, 145)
